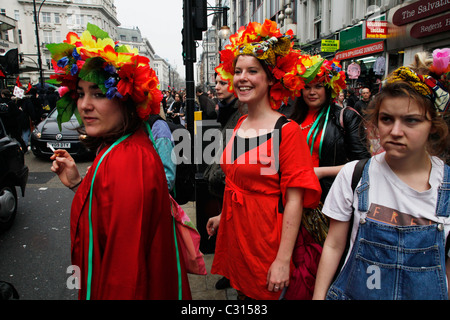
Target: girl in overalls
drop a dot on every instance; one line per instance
(399, 213)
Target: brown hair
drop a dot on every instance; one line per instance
(131, 123)
(438, 140)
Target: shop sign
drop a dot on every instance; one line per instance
(419, 10)
(352, 38)
(330, 45)
(361, 51)
(375, 29)
(431, 26)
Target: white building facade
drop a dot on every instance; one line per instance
(412, 26)
(56, 19)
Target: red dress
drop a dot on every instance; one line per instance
(251, 224)
(134, 250)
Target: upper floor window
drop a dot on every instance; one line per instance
(46, 17)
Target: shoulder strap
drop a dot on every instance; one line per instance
(153, 118)
(277, 130)
(341, 115)
(357, 174)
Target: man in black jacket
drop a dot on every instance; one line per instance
(207, 105)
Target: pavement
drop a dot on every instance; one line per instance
(203, 287)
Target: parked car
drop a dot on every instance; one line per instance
(13, 172)
(47, 133)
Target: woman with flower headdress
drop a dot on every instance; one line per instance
(398, 216)
(122, 232)
(331, 145)
(256, 239)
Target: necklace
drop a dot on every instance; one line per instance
(307, 127)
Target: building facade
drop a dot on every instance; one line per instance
(56, 18)
(407, 27)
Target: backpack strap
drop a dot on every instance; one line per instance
(357, 175)
(341, 115)
(277, 130)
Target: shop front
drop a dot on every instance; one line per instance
(422, 25)
(363, 58)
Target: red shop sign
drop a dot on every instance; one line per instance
(430, 27)
(361, 51)
(419, 10)
(375, 29)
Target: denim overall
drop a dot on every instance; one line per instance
(395, 262)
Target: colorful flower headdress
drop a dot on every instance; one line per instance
(434, 86)
(329, 72)
(118, 71)
(268, 44)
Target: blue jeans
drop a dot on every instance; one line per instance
(395, 262)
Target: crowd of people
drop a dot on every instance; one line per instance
(20, 115)
(299, 219)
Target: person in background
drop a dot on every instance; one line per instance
(207, 105)
(400, 207)
(340, 100)
(330, 144)
(122, 230)
(362, 104)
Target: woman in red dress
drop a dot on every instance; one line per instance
(267, 183)
(122, 232)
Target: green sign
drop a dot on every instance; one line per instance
(353, 38)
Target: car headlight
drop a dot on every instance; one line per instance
(36, 133)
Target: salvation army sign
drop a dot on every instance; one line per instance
(361, 51)
(419, 10)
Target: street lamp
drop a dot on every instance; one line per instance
(224, 32)
(36, 24)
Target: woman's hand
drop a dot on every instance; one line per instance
(212, 225)
(278, 275)
(66, 169)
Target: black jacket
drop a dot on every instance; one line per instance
(342, 144)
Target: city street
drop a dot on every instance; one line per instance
(35, 252)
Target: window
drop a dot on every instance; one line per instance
(374, 3)
(17, 15)
(48, 38)
(3, 12)
(317, 9)
(58, 38)
(123, 37)
(20, 36)
(46, 17)
(79, 19)
(57, 18)
(134, 39)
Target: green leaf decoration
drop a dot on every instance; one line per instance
(93, 72)
(60, 50)
(65, 106)
(78, 116)
(311, 72)
(122, 49)
(53, 81)
(97, 32)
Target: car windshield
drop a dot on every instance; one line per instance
(54, 114)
